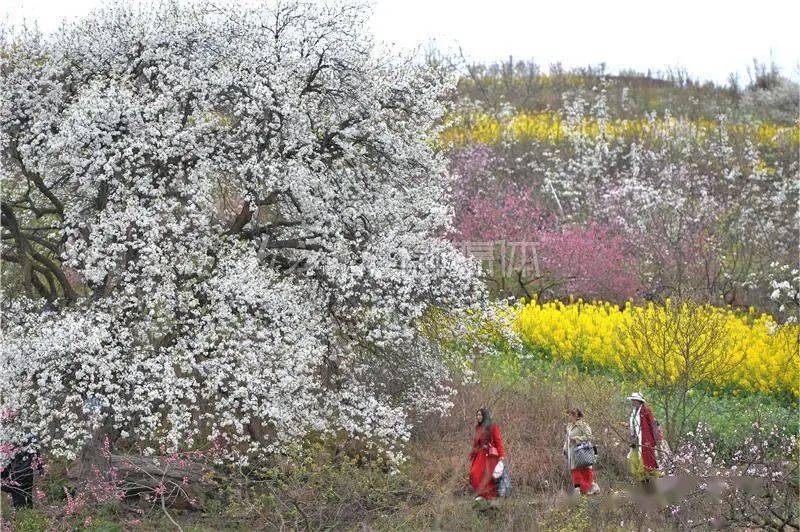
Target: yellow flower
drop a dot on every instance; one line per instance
(594, 331)
(549, 126)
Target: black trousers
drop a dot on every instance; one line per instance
(18, 481)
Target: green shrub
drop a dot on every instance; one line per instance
(30, 520)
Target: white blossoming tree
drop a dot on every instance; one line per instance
(225, 224)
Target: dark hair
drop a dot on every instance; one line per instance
(576, 412)
(486, 417)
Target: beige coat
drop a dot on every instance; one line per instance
(578, 432)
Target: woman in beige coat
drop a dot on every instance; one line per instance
(578, 431)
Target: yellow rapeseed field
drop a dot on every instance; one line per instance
(550, 127)
(593, 334)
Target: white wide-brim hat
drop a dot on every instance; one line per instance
(636, 396)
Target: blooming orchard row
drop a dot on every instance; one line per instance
(648, 208)
(480, 127)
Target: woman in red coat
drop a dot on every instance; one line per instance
(487, 451)
(643, 432)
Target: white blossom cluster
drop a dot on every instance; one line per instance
(780, 100)
(785, 285)
(230, 222)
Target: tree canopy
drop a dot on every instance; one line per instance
(227, 224)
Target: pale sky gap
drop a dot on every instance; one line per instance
(708, 38)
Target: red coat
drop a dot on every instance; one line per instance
(648, 424)
(483, 464)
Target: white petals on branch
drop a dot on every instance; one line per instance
(250, 208)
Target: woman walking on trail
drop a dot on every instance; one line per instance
(642, 428)
(487, 451)
(579, 432)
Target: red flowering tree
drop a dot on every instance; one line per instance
(534, 254)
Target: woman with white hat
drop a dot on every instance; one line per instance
(643, 433)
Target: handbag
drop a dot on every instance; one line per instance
(504, 483)
(498, 470)
(583, 456)
(493, 450)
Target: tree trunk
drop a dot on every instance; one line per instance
(182, 481)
